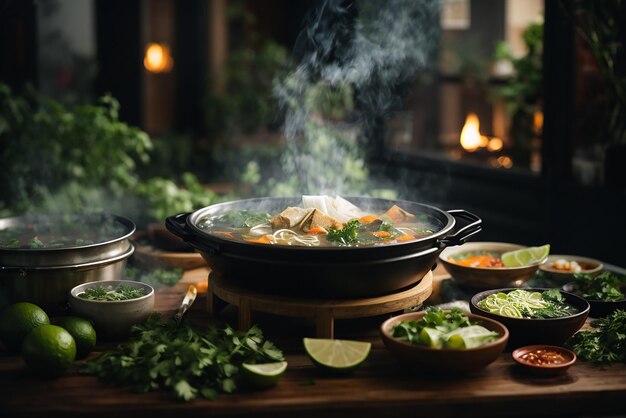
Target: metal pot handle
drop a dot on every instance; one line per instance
(177, 225)
(460, 236)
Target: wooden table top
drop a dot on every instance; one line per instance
(380, 388)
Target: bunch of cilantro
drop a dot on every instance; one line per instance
(606, 286)
(185, 360)
(604, 345)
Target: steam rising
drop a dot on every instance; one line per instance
(354, 60)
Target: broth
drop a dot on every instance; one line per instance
(62, 232)
(312, 227)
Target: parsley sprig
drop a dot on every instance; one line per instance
(187, 361)
(347, 235)
(606, 286)
(121, 292)
(604, 345)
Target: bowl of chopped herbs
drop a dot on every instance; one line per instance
(114, 306)
(443, 341)
(533, 315)
(605, 292)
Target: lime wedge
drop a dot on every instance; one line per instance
(263, 375)
(525, 256)
(337, 355)
(469, 337)
(431, 337)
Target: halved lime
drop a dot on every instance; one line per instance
(469, 337)
(431, 337)
(525, 256)
(263, 375)
(337, 355)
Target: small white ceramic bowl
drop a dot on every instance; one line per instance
(561, 277)
(113, 319)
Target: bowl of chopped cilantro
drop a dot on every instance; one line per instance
(114, 306)
(533, 315)
(444, 341)
(605, 292)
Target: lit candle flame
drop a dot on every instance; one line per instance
(470, 135)
(471, 139)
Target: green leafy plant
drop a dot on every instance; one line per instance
(522, 92)
(241, 99)
(165, 197)
(186, 360)
(599, 25)
(45, 145)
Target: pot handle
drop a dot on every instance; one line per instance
(460, 236)
(177, 225)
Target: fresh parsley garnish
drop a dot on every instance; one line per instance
(606, 286)
(347, 235)
(604, 345)
(121, 292)
(187, 361)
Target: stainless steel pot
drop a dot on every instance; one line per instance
(44, 276)
(330, 272)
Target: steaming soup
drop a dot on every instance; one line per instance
(60, 232)
(322, 221)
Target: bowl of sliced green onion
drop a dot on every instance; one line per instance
(114, 306)
(533, 316)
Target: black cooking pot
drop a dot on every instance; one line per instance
(329, 272)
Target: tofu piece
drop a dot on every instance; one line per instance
(290, 218)
(319, 219)
(397, 215)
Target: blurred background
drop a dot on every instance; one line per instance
(512, 109)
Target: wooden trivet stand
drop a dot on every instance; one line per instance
(324, 311)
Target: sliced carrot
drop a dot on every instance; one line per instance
(223, 234)
(317, 230)
(261, 240)
(405, 238)
(381, 234)
(368, 219)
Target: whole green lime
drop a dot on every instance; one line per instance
(49, 350)
(83, 333)
(17, 320)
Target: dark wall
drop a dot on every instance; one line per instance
(192, 71)
(18, 42)
(120, 55)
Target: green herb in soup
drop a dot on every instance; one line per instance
(121, 292)
(605, 286)
(531, 305)
(444, 329)
(311, 226)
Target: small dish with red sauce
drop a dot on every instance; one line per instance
(478, 266)
(544, 359)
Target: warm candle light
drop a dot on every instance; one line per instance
(495, 144)
(158, 59)
(470, 135)
(538, 121)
